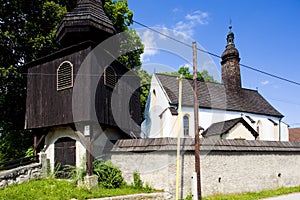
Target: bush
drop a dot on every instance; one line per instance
(109, 175)
(29, 152)
(139, 184)
(148, 188)
(137, 181)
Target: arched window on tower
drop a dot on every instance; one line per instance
(64, 76)
(110, 78)
(186, 125)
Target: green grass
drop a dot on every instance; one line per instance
(254, 195)
(61, 189)
(47, 189)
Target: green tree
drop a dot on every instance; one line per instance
(145, 86)
(122, 17)
(27, 32)
(185, 72)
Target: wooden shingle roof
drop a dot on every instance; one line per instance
(87, 21)
(214, 96)
(188, 144)
(224, 127)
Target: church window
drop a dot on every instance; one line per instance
(64, 76)
(110, 78)
(186, 125)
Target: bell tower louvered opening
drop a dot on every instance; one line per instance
(64, 76)
(110, 78)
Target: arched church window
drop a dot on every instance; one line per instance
(186, 125)
(64, 76)
(110, 78)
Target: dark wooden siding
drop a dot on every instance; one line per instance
(128, 117)
(47, 107)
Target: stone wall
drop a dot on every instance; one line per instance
(227, 166)
(24, 173)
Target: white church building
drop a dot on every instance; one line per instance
(226, 110)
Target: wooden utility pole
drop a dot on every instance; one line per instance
(178, 136)
(196, 121)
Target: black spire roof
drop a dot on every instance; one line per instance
(87, 21)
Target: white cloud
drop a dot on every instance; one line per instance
(198, 17)
(186, 27)
(188, 65)
(266, 82)
(175, 10)
(150, 46)
(165, 31)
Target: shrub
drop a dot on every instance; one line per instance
(148, 188)
(137, 181)
(139, 184)
(109, 175)
(29, 152)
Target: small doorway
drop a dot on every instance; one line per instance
(64, 156)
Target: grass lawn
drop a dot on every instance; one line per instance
(254, 195)
(62, 189)
(59, 189)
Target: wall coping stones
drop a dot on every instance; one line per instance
(187, 144)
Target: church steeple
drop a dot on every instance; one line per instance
(231, 76)
(230, 36)
(87, 21)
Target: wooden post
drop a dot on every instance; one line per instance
(34, 144)
(196, 124)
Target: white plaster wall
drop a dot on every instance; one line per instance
(102, 142)
(237, 171)
(60, 132)
(167, 126)
(284, 132)
(239, 131)
(208, 117)
(158, 104)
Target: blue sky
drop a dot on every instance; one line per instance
(266, 35)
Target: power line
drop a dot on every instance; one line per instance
(217, 56)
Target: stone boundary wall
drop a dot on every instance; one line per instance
(227, 166)
(24, 173)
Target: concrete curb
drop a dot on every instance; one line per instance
(143, 196)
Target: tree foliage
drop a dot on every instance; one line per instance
(27, 32)
(185, 72)
(122, 17)
(145, 86)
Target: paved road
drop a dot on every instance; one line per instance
(294, 196)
